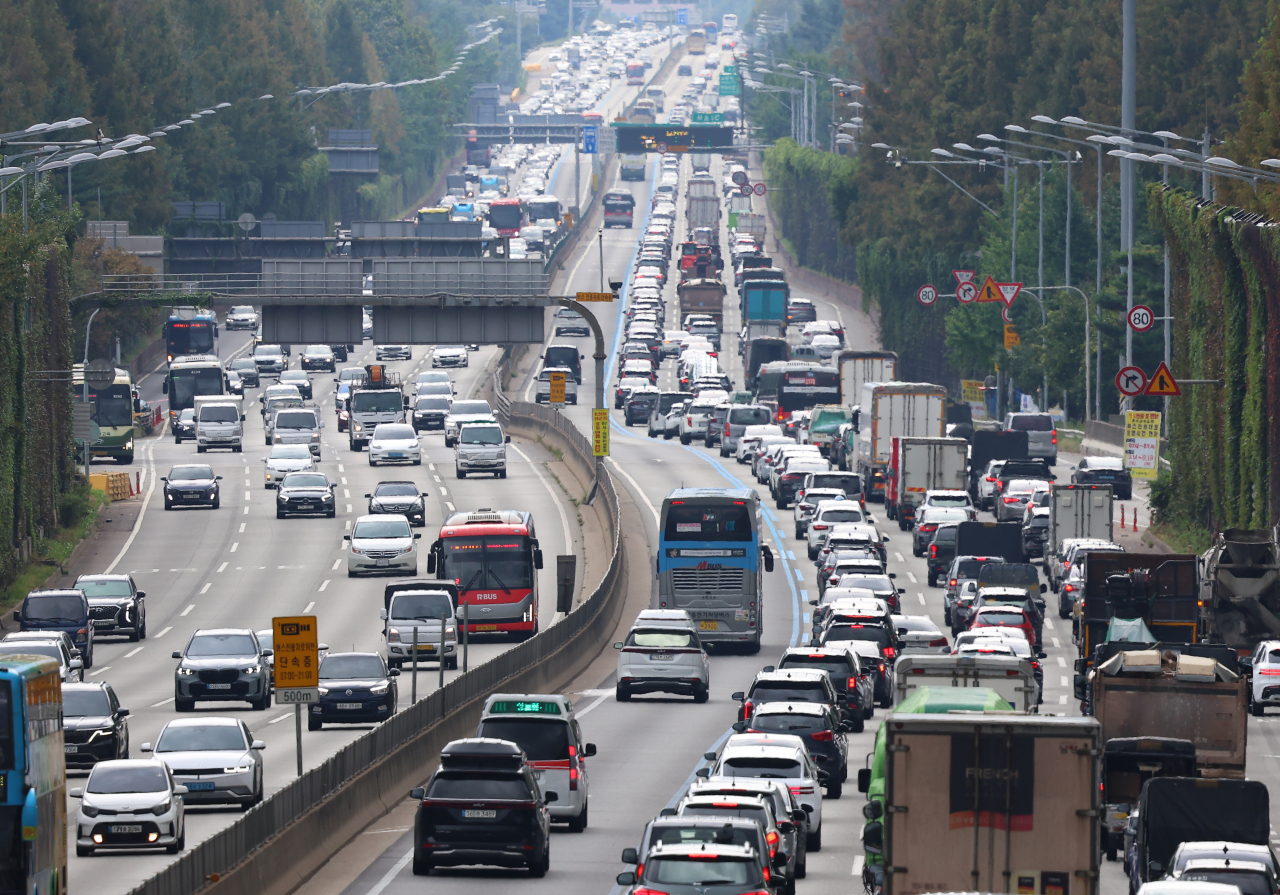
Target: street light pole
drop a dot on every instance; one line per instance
(88, 442)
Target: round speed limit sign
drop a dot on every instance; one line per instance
(662, 148)
(927, 295)
(760, 189)
(745, 189)
(1141, 319)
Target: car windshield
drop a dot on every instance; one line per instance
(834, 665)
(294, 376)
(682, 871)
(420, 606)
(244, 364)
(761, 766)
(69, 608)
(396, 489)
(470, 786)
(433, 377)
(129, 779)
(291, 452)
(394, 433)
(870, 582)
(241, 309)
(91, 703)
(348, 667)
(267, 351)
(481, 435)
(294, 419)
(695, 832)
(190, 474)
(318, 351)
(305, 480)
(221, 645)
(916, 624)
(201, 738)
(949, 500)
(219, 413)
(708, 522)
(104, 588)
(667, 639)
(541, 739)
(461, 408)
(1001, 617)
(381, 528)
(430, 403)
(785, 722)
(842, 515)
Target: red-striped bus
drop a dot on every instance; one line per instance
(506, 216)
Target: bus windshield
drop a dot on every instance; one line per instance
(188, 337)
(112, 407)
(802, 389)
(475, 563)
(708, 522)
(187, 382)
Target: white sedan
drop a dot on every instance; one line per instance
(285, 458)
(396, 443)
(382, 543)
(449, 356)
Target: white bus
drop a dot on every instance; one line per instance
(729, 23)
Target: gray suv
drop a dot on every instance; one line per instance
(1042, 435)
(221, 665)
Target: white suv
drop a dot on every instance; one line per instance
(661, 657)
(827, 514)
(774, 756)
(1264, 688)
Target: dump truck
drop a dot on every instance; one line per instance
(860, 367)
(1119, 589)
(893, 409)
(1002, 539)
(702, 296)
(988, 803)
(917, 465)
(1240, 587)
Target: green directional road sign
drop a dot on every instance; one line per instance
(730, 69)
(729, 85)
(708, 118)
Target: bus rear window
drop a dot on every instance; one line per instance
(708, 522)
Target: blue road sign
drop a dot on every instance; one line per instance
(682, 17)
(589, 134)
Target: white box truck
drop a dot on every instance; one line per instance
(857, 368)
(917, 465)
(894, 409)
(702, 211)
(1013, 678)
(1077, 511)
(988, 803)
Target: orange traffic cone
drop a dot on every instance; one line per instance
(1135, 519)
(1122, 517)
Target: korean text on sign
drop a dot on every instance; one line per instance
(1142, 443)
(296, 652)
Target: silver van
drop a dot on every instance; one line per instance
(296, 425)
(1042, 435)
(741, 416)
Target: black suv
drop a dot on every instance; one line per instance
(854, 685)
(93, 724)
(1104, 471)
(818, 726)
(940, 552)
(115, 605)
(482, 806)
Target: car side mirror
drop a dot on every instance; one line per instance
(145, 747)
(785, 826)
(382, 614)
(768, 558)
(177, 654)
(626, 878)
(769, 668)
(1044, 588)
(799, 816)
(259, 745)
(348, 537)
(217, 478)
(267, 653)
(1246, 663)
(393, 672)
(902, 590)
(551, 796)
(1156, 868)
(367, 495)
(76, 664)
(588, 750)
(873, 837)
(709, 756)
(872, 810)
(739, 696)
(122, 713)
(508, 439)
(76, 792)
(164, 478)
(864, 779)
(739, 726)
(702, 772)
(630, 856)
(417, 792)
(617, 644)
(141, 594)
(417, 537)
(180, 790)
(1042, 655)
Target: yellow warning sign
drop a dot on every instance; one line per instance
(1142, 443)
(297, 652)
(989, 292)
(600, 432)
(972, 391)
(1163, 384)
(594, 296)
(1011, 338)
(557, 387)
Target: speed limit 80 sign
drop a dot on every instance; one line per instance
(1141, 318)
(927, 294)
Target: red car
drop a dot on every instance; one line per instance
(1004, 617)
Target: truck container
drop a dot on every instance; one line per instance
(457, 185)
(701, 161)
(762, 350)
(917, 465)
(1241, 587)
(989, 803)
(1159, 589)
(1002, 539)
(751, 224)
(888, 410)
(1174, 810)
(218, 422)
(1077, 511)
(825, 421)
(1013, 678)
(702, 211)
(1128, 763)
(631, 167)
(700, 189)
(702, 296)
(991, 444)
(764, 300)
(857, 368)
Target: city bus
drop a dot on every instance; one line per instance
(439, 214)
(33, 766)
(712, 31)
(493, 557)
(192, 332)
(696, 45)
(543, 208)
(728, 23)
(804, 385)
(619, 208)
(506, 216)
(198, 374)
(635, 73)
(709, 562)
(112, 409)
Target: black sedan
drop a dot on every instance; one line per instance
(191, 486)
(300, 380)
(305, 494)
(401, 499)
(319, 357)
(247, 370)
(1105, 471)
(184, 425)
(355, 688)
(95, 727)
(429, 412)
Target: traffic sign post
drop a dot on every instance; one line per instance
(739, 177)
(557, 387)
(964, 276)
(927, 295)
(296, 666)
(709, 118)
(1142, 443)
(1142, 319)
(682, 16)
(1008, 292)
(760, 189)
(589, 136)
(594, 296)
(662, 149)
(99, 374)
(966, 292)
(989, 292)
(1162, 384)
(1004, 314)
(1131, 381)
(1011, 337)
(745, 189)
(600, 432)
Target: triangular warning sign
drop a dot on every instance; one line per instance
(964, 276)
(989, 292)
(1008, 292)
(1162, 383)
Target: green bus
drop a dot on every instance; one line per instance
(112, 409)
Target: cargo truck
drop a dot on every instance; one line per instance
(701, 161)
(824, 424)
(631, 167)
(917, 465)
(751, 224)
(457, 185)
(759, 351)
(1120, 589)
(1240, 587)
(888, 410)
(702, 296)
(700, 189)
(1076, 511)
(764, 300)
(1003, 539)
(375, 398)
(988, 803)
(1013, 678)
(702, 211)
(857, 368)
(988, 445)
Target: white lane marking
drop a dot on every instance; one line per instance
(164, 631)
(188, 609)
(452, 508)
(156, 705)
(402, 863)
(336, 564)
(858, 863)
(913, 578)
(222, 567)
(1057, 644)
(431, 466)
(246, 469)
(638, 490)
(205, 589)
(1048, 623)
(1062, 663)
(247, 483)
(564, 518)
(898, 556)
(341, 468)
(346, 492)
(348, 508)
(246, 511)
(101, 670)
(235, 547)
(278, 718)
(134, 652)
(437, 478)
(921, 596)
(142, 514)
(798, 575)
(309, 605)
(242, 525)
(344, 480)
(1062, 700)
(791, 555)
(1064, 680)
(599, 699)
(248, 495)
(347, 524)
(324, 585)
(444, 492)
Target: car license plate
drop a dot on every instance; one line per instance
(200, 785)
(382, 562)
(71, 750)
(191, 496)
(126, 828)
(486, 627)
(479, 813)
(708, 626)
(426, 647)
(661, 657)
(219, 686)
(349, 706)
(395, 455)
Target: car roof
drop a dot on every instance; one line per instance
(789, 708)
(217, 632)
(102, 577)
(203, 721)
(735, 852)
(769, 744)
(791, 674)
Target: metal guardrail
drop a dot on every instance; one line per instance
(230, 846)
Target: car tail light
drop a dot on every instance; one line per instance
(882, 668)
(772, 838)
(933, 551)
(941, 641)
(1068, 587)
(726, 427)
(822, 736)
(1055, 436)
(953, 582)
(573, 779)
(819, 527)
(927, 527)
(889, 652)
(801, 790)
(1011, 500)
(991, 478)
(642, 890)
(853, 683)
(1268, 672)
(688, 421)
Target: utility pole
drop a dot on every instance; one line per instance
(1128, 172)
